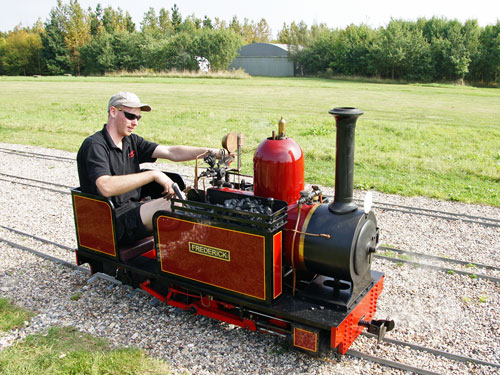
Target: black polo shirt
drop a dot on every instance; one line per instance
(99, 156)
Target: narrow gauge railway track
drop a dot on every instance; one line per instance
(480, 220)
(397, 259)
(36, 155)
(405, 257)
(351, 352)
(437, 258)
(32, 180)
(36, 186)
(388, 249)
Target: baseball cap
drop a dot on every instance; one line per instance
(127, 99)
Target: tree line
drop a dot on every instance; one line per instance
(431, 50)
(94, 41)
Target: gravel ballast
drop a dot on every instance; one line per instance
(444, 311)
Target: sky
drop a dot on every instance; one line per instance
(334, 13)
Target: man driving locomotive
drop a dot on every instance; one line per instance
(108, 165)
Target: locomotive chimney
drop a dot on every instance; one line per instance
(345, 118)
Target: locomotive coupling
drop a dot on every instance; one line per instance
(378, 327)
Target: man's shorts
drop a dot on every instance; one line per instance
(129, 226)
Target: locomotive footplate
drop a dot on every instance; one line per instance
(330, 292)
(344, 326)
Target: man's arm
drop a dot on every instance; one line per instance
(181, 153)
(115, 185)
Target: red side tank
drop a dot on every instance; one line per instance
(278, 167)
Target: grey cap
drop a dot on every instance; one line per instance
(127, 99)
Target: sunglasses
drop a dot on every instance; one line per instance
(129, 116)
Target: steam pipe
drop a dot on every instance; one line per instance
(345, 118)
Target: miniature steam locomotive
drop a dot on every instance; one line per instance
(269, 256)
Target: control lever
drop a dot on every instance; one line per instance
(178, 191)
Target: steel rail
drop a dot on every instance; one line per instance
(455, 357)
(411, 208)
(485, 221)
(389, 363)
(437, 268)
(438, 258)
(38, 238)
(61, 262)
(481, 220)
(44, 256)
(35, 186)
(79, 268)
(35, 155)
(34, 180)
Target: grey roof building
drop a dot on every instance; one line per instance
(264, 59)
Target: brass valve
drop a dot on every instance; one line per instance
(282, 128)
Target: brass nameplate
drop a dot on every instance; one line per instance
(208, 251)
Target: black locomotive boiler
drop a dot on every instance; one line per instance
(269, 256)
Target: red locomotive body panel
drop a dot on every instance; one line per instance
(294, 243)
(94, 224)
(279, 170)
(224, 258)
(277, 264)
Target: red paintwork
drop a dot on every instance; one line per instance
(205, 306)
(244, 273)
(94, 224)
(293, 211)
(150, 254)
(242, 192)
(344, 335)
(305, 339)
(278, 323)
(278, 167)
(277, 264)
(145, 286)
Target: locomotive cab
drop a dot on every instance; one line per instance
(96, 230)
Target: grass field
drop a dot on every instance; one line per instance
(65, 350)
(12, 316)
(440, 141)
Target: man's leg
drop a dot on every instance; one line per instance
(148, 210)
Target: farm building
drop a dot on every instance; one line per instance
(264, 59)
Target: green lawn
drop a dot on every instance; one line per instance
(64, 351)
(11, 316)
(440, 141)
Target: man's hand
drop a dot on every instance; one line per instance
(220, 153)
(162, 179)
